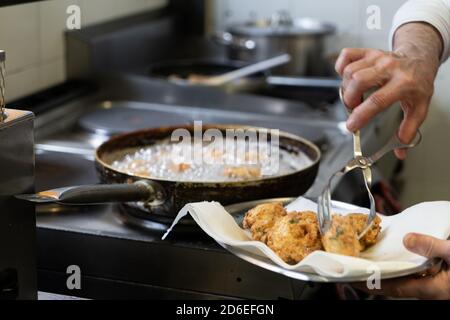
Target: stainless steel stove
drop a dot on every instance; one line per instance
(122, 255)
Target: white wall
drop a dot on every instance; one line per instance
(348, 15)
(32, 35)
(427, 170)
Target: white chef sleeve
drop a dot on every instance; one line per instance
(434, 12)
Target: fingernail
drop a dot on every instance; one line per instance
(410, 241)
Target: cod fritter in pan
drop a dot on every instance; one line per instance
(294, 235)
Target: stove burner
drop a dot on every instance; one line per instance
(123, 117)
(134, 216)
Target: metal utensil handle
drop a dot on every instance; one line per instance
(392, 144)
(2, 85)
(304, 82)
(104, 193)
(372, 213)
(250, 69)
(357, 151)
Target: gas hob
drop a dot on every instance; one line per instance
(121, 256)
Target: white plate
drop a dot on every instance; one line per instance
(238, 210)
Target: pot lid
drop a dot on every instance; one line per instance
(282, 24)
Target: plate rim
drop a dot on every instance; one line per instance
(267, 264)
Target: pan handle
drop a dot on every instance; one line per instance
(104, 193)
(98, 193)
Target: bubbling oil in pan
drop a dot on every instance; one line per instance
(172, 161)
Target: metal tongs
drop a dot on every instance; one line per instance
(364, 164)
(2, 86)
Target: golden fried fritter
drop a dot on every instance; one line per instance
(359, 223)
(294, 236)
(342, 236)
(261, 218)
(180, 167)
(242, 172)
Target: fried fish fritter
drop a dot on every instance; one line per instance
(242, 172)
(180, 167)
(294, 236)
(262, 218)
(342, 236)
(359, 223)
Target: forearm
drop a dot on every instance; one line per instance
(419, 40)
(422, 23)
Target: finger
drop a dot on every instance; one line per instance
(427, 246)
(426, 288)
(401, 154)
(347, 56)
(348, 81)
(354, 67)
(361, 81)
(409, 127)
(374, 104)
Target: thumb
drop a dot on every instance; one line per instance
(427, 246)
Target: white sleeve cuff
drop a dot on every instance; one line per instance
(434, 12)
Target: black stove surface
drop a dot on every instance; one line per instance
(120, 258)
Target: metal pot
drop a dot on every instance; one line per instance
(302, 38)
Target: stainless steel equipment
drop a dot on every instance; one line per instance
(302, 38)
(165, 197)
(237, 74)
(17, 219)
(119, 250)
(67, 137)
(364, 164)
(304, 82)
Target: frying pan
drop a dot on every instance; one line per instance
(167, 197)
(208, 67)
(296, 88)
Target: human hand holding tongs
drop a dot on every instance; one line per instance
(364, 164)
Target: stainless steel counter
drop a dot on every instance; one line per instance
(117, 258)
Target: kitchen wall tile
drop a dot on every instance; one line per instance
(374, 40)
(52, 73)
(239, 11)
(22, 83)
(345, 15)
(32, 35)
(386, 9)
(94, 11)
(53, 19)
(19, 36)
